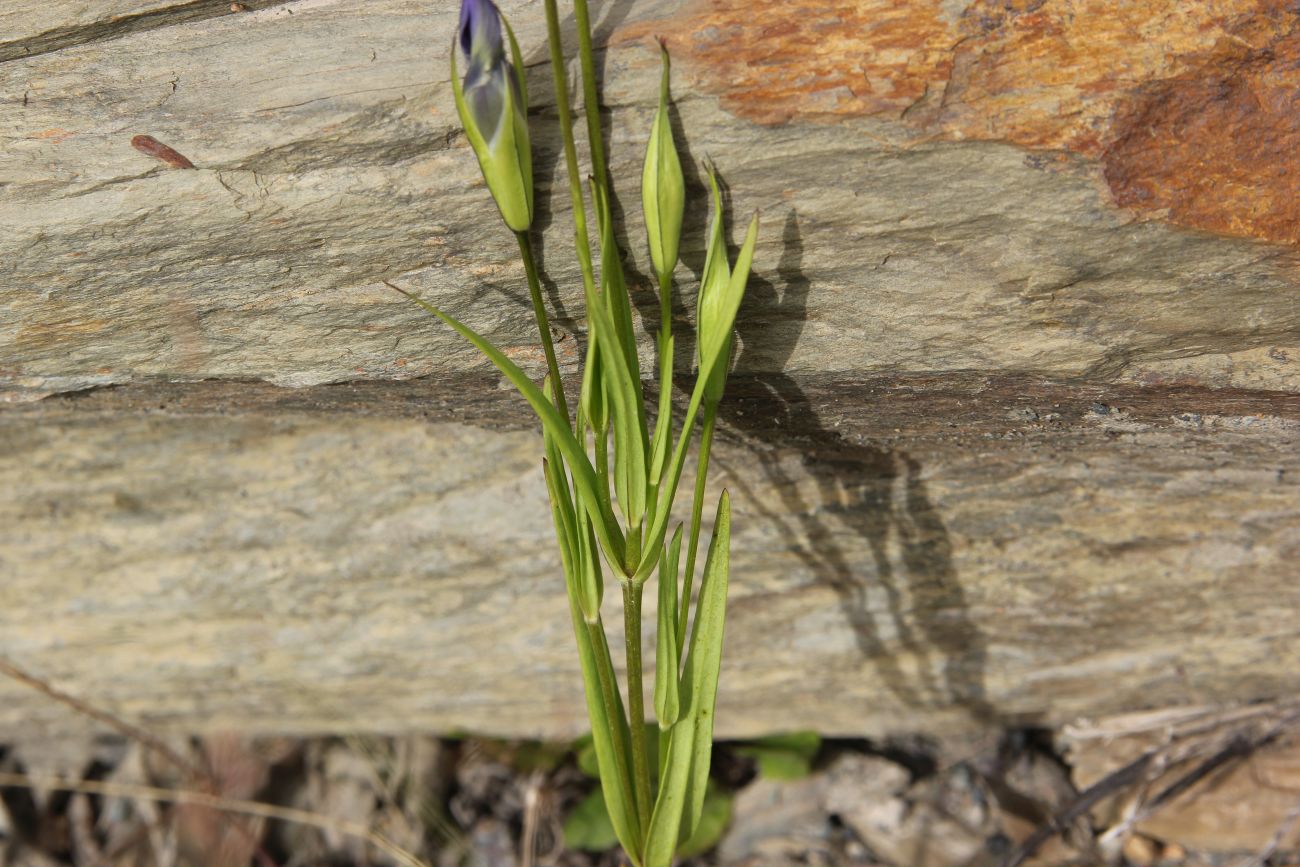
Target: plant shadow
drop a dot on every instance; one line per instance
(909, 602)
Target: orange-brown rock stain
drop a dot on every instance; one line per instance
(1191, 107)
(1217, 148)
(777, 61)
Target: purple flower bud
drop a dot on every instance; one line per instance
(480, 32)
(492, 105)
(487, 73)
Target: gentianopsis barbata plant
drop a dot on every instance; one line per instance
(652, 809)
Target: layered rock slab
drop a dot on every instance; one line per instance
(992, 456)
(916, 553)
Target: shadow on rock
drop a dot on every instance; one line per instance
(909, 601)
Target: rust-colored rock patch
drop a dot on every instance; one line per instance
(1050, 74)
(773, 62)
(1191, 106)
(1218, 148)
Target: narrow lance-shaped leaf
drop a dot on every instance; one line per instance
(621, 377)
(557, 488)
(667, 704)
(704, 659)
(592, 401)
(587, 585)
(584, 475)
(563, 520)
(609, 733)
(604, 706)
(591, 585)
(690, 749)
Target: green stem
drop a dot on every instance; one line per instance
(665, 308)
(697, 511)
(590, 99)
(636, 699)
(560, 79)
(543, 324)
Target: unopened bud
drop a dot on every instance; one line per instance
(663, 191)
(493, 107)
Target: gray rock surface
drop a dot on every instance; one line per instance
(1000, 451)
(906, 557)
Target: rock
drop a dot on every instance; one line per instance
(906, 557)
(331, 162)
(776, 821)
(1217, 781)
(1017, 400)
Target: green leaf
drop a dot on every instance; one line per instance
(663, 190)
(680, 804)
(704, 659)
(592, 402)
(584, 475)
(588, 827)
(667, 705)
(590, 587)
(783, 757)
(621, 373)
(664, 419)
(581, 566)
(715, 818)
(609, 731)
(584, 749)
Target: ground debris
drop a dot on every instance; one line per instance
(1193, 788)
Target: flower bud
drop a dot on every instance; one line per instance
(663, 191)
(493, 104)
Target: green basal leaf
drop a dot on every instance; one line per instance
(680, 804)
(584, 750)
(663, 189)
(667, 703)
(584, 475)
(588, 827)
(785, 756)
(557, 487)
(697, 515)
(715, 818)
(563, 518)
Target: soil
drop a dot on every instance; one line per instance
(1024, 796)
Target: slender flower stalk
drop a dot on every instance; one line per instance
(653, 809)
